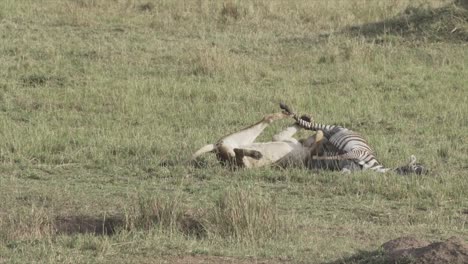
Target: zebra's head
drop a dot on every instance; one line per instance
(412, 167)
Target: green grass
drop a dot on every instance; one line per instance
(103, 102)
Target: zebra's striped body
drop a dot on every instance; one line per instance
(344, 145)
(347, 145)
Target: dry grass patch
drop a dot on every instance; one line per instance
(246, 217)
(230, 10)
(217, 61)
(238, 215)
(26, 224)
(447, 23)
(167, 213)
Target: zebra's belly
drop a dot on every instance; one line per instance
(347, 141)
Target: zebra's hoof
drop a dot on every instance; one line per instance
(307, 118)
(286, 108)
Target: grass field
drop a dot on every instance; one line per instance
(103, 102)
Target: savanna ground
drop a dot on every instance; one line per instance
(102, 103)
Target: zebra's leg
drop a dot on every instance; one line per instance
(359, 158)
(302, 121)
(348, 166)
(346, 163)
(345, 156)
(346, 171)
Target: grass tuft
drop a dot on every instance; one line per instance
(30, 224)
(230, 10)
(168, 214)
(243, 216)
(147, 7)
(163, 212)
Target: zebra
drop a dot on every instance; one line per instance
(347, 150)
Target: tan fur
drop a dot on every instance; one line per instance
(240, 150)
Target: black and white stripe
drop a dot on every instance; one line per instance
(349, 145)
(346, 145)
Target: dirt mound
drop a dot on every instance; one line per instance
(445, 24)
(452, 251)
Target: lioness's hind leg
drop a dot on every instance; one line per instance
(241, 153)
(204, 149)
(248, 135)
(255, 154)
(276, 116)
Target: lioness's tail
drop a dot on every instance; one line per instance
(203, 150)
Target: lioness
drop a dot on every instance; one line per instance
(239, 149)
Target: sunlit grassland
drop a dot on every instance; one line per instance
(102, 103)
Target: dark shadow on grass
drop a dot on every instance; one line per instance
(168, 163)
(39, 80)
(444, 24)
(364, 257)
(191, 225)
(83, 224)
(199, 164)
(186, 223)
